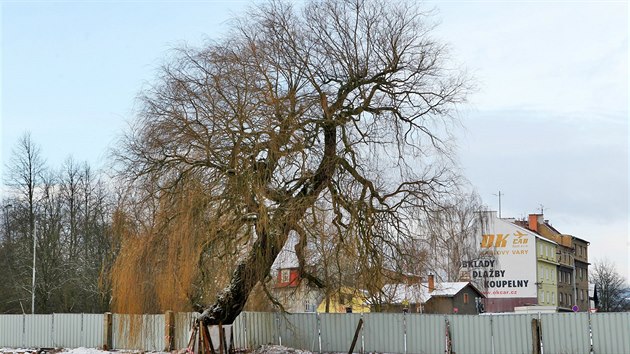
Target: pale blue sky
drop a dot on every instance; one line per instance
(549, 124)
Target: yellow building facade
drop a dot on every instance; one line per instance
(547, 270)
(345, 300)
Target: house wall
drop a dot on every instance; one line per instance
(547, 272)
(343, 300)
(507, 304)
(466, 307)
(441, 305)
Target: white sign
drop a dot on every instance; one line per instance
(506, 267)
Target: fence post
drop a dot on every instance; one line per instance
(169, 331)
(107, 331)
(535, 336)
(405, 331)
(319, 332)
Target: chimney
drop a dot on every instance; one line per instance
(431, 283)
(533, 222)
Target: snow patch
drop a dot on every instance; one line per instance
(278, 349)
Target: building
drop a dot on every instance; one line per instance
(345, 300)
(546, 271)
(506, 269)
(572, 269)
(529, 263)
(441, 298)
(293, 293)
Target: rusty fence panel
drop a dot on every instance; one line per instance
(138, 332)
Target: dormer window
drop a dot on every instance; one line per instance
(285, 275)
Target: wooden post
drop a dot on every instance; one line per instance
(169, 331)
(356, 336)
(535, 336)
(107, 331)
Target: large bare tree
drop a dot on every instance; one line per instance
(344, 102)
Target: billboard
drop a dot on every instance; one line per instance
(506, 262)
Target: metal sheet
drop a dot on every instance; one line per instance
(425, 334)
(253, 329)
(565, 333)
(183, 328)
(470, 334)
(611, 332)
(384, 332)
(77, 330)
(338, 330)
(144, 332)
(38, 331)
(561, 333)
(511, 333)
(12, 331)
(299, 331)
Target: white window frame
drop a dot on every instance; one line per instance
(285, 275)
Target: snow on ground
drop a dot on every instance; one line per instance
(278, 349)
(267, 349)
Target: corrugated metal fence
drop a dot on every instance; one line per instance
(391, 333)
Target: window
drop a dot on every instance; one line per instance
(285, 275)
(546, 297)
(465, 298)
(553, 297)
(309, 307)
(581, 295)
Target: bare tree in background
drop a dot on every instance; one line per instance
(612, 289)
(452, 234)
(344, 101)
(71, 212)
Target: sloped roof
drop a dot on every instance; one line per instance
(418, 293)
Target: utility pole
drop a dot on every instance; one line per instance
(499, 195)
(33, 287)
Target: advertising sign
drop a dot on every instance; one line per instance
(506, 266)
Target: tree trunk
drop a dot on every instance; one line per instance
(248, 273)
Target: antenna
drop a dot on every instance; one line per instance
(542, 209)
(499, 195)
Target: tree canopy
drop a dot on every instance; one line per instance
(343, 105)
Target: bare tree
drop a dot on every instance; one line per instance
(344, 101)
(451, 234)
(24, 175)
(611, 286)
